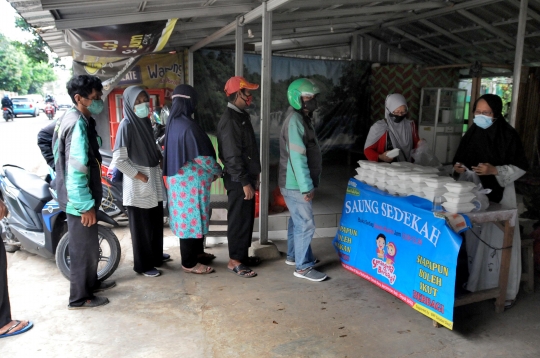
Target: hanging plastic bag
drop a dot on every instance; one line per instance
(422, 155)
(481, 201)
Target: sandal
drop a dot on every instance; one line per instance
(205, 257)
(252, 261)
(9, 333)
(199, 269)
(243, 271)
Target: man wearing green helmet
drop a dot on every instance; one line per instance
(300, 167)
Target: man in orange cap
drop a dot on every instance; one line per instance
(239, 152)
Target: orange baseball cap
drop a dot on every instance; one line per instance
(236, 83)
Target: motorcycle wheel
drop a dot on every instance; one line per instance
(109, 254)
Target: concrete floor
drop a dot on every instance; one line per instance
(272, 315)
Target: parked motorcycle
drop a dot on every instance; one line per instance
(8, 114)
(38, 225)
(49, 110)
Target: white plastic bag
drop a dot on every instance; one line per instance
(422, 155)
(481, 201)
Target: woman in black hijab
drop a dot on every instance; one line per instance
(493, 150)
(190, 167)
(137, 156)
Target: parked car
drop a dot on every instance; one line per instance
(64, 102)
(25, 105)
(40, 102)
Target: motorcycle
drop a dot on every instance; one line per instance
(8, 114)
(49, 111)
(38, 225)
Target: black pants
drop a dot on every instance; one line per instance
(240, 218)
(189, 250)
(5, 308)
(84, 256)
(146, 227)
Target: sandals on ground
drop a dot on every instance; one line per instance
(199, 269)
(9, 332)
(243, 271)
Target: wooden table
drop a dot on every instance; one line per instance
(505, 219)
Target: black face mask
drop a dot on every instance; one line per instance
(311, 105)
(397, 119)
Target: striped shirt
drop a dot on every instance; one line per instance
(135, 192)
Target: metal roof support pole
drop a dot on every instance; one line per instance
(520, 39)
(266, 76)
(354, 47)
(190, 68)
(239, 60)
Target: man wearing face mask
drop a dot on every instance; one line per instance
(493, 150)
(300, 167)
(239, 152)
(78, 186)
(391, 132)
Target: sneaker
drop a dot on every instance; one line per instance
(310, 274)
(152, 273)
(94, 302)
(292, 262)
(166, 257)
(105, 285)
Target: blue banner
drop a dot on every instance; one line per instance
(400, 245)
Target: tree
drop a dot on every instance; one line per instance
(24, 67)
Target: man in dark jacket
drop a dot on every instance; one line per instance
(44, 141)
(6, 102)
(78, 187)
(239, 153)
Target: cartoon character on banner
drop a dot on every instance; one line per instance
(381, 243)
(390, 255)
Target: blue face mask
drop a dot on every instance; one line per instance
(96, 107)
(142, 110)
(483, 121)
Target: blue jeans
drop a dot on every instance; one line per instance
(301, 229)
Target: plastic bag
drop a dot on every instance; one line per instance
(481, 201)
(422, 155)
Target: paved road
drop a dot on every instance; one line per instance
(18, 142)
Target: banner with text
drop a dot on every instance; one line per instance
(400, 245)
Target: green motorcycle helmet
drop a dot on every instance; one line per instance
(298, 88)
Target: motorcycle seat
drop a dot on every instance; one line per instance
(29, 183)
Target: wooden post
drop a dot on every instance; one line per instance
(505, 265)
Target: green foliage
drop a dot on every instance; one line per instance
(24, 68)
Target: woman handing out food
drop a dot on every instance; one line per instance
(392, 133)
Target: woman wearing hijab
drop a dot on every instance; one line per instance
(137, 156)
(394, 131)
(190, 167)
(493, 150)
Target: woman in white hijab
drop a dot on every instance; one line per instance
(394, 131)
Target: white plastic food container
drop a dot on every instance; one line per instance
(466, 197)
(458, 208)
(392, 153)
(362, 163)
(438, 182)
(392, 181)
(435, 191)
(402, 191)
(460, 187)
(381, 185)
(420, 177)
(360, 171)
(404, 184)
(381, 168)
(404, 175)
(415, 187)
(370, 173)
(395, 171)
(422, 169)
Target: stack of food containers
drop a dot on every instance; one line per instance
(402, 178)
(459, 197)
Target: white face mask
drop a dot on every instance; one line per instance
(142, 110)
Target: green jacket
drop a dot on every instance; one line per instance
(78, 177)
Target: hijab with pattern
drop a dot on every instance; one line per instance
(136, 133)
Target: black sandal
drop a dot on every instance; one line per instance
(252, 261)
(243, 271)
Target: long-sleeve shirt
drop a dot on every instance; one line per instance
(135, 192)
(372, 152)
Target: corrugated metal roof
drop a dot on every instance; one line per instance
(432, 32)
